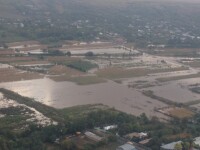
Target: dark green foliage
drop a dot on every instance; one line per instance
(83, 66)
(89, 54)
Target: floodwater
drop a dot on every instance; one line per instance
(177, 91)
(67, 94)
(98, 51)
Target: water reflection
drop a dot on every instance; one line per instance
(67, 94)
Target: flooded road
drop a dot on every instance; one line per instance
(67, 94)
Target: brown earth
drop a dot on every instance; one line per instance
(12, 74)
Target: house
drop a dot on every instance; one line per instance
(170, 146)
(93, 136)
(126, 147)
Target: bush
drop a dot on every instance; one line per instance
(83, 66)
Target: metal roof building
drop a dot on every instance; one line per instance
(170, 146)
(126, 147)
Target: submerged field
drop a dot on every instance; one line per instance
(118, 79)
(66, 94)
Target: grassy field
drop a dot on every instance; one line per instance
(17, 59)
(176, 52)
(82, 110)
(62, 59)
(86, 80)
(181, 113)
(82, 65)
(63, 70)
(12, 74)
(80, 80)
(116, 73)
(178, 77)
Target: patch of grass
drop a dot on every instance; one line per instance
(62, 60)
(81, 65)
(176, 52)
(12, 74)
(181, 113)
(86, 80)
(15, 110)
(178, 77)
(13, 122)
(116, 73)
(82, 110)
(60, 70)
(80, 80)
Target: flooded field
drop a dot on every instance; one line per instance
(67, 94)
(177, 91)
(118, 80)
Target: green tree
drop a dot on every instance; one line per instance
(69, 54)
(68, 145)
(186, 145)
(178, 146)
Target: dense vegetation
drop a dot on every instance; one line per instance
(83, 66)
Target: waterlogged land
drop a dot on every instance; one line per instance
(119, 78)
(67, 94)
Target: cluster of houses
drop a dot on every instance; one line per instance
(100, 134)
(134, 141)
(126, 146)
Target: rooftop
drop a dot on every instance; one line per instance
(170, 146)
(126, 147)
(197, 141)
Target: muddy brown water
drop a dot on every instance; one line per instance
(67, 94)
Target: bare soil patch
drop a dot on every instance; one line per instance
(63, 70)
(177, 112)
(12, 74)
